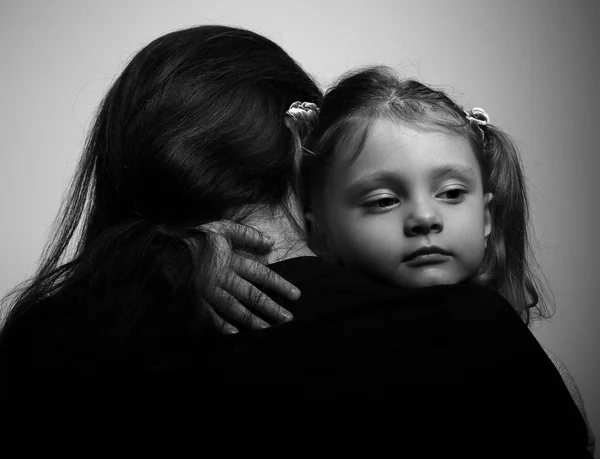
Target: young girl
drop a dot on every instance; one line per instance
(409, 188)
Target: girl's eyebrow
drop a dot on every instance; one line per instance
(368, 180)
(453, 169)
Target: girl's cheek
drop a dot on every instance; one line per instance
(370, 247)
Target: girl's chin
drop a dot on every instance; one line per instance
(425, 283)
(428, 278)
(421, 278)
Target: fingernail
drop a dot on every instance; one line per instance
(263, 325)
(295, 293)
(287, 316)
(232, 330)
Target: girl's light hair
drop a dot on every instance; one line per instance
(346, 117)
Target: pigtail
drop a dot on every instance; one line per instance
(509, 265)
(300, 119)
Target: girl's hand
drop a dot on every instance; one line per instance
(230, 289)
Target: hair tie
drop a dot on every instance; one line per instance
(302, 116)
(302, 109)
(478, 116)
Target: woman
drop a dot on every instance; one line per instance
(193, 114)
(116, 352)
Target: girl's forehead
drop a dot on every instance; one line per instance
(398, 144)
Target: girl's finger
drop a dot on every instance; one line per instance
(253, 297)
(228, 305)
(257, 273)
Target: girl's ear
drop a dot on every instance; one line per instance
(487, 222)
(318, 241)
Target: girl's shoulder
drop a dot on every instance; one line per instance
(575, 394)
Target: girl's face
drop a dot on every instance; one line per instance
(409, 210)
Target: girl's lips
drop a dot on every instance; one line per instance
(427, 253)
(427, 259)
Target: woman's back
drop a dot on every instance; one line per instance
(362, 370)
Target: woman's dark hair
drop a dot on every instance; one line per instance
(192, 129)
(360, 98)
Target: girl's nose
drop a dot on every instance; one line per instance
(422, 221)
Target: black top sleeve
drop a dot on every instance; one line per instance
(366, 370)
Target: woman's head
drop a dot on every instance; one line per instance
(398, 167)
(193, 128)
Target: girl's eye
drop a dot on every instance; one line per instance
(386, 202)
(382, 203)
(454, 194)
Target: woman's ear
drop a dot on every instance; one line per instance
(317, 239)
(487, 222)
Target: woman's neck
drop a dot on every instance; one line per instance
(284, 229)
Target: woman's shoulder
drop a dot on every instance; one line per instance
(567, 378)
(571, 385)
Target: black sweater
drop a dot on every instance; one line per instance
(362, 371)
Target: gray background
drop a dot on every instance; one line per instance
(533, 66)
